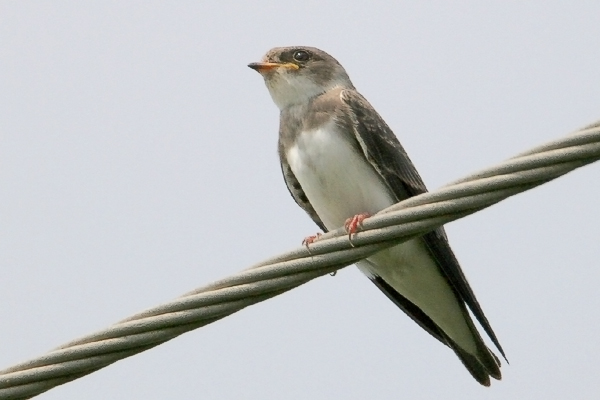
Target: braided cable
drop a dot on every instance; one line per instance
(400, 222)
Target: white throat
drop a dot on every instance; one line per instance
(287, 89)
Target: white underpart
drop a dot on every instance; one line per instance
(340, 183)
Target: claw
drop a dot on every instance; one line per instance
(311, 239)
(353, 224)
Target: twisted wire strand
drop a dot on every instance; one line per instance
(400, 222)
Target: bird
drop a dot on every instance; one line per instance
(342, 163)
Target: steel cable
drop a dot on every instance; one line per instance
(402, 221)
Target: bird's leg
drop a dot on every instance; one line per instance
(353, 224)
(311, 239)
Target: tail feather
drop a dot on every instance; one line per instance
(482, 365)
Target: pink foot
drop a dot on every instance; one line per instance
(311, 239)
(353, 224)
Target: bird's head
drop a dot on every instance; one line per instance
(294, 75)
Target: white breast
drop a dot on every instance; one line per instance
(340, 183)
(337, 180)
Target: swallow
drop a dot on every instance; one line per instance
(342, 163)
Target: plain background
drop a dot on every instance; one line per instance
(138, 161)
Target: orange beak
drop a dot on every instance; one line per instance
(269, 66)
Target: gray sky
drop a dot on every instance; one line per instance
(138, 161)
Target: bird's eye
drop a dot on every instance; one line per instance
(301, 55)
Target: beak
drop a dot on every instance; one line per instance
(269, 66)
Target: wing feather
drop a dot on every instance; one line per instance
(387, 156)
